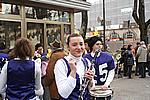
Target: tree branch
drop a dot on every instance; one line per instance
(147, 23)
(134, 13)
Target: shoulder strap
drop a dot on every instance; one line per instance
(67, 66)
(85, 62)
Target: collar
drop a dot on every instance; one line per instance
(74, 58)
(27, 58)
(93, 53)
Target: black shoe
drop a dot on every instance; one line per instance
(129, 77)
(125, 75)
(141, 77)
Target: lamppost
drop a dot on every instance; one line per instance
(104, 25)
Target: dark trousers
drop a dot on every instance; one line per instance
(46, 95)
(125, 69)
(148, 66)
(129, 70)
(137, 67)
(142, 69)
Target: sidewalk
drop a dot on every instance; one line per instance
(131, 89)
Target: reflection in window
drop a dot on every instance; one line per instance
(9, 32)
(10, 9)
(35, 33)
(53, 32)
(67, 31)
(46, 14)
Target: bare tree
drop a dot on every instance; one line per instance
(84, 23)
(139, 17)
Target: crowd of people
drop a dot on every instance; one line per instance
(58, 74)
(138, 56)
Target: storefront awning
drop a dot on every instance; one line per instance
(76, 5)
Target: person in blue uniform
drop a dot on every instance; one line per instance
(104, 63)
(70, 70)
(21, 76)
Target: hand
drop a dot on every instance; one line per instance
(73, 68)
(89, 74)
(104, 87)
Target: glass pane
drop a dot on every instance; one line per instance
(53, 32)
(9, 9)
(67, 31)
(35, 33)
(46, 14)
(9, 32)
(30, 12)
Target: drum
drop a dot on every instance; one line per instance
(98, 94)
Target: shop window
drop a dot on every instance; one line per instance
(67, 31)
(46, 14)
(53, 32)
(9, 9)
(9, 32)
(35, 33)
(129, 34)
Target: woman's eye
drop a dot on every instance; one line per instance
(81, 44)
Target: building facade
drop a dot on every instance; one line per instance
(118, 14)
(117, 11)
(42, 21)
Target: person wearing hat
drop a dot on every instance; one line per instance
(142, 59)
(104, 64)
(136, 59)
(57, 53)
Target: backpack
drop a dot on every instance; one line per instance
(129, 58)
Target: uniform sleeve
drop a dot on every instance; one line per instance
(111, 72)
(110, 77)
(64, 84)
(38, 85)
(3, 78)
(112, 64)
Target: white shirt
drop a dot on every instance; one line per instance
(65, 83)
(38, 85)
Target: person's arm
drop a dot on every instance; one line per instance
(38, 85)
(65, 84)
(110, 77)
(3, 78)
(138, 52)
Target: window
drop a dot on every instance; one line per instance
(9, 9)
(46, 14)
(35, 33)
(9, 32)
(53, 32)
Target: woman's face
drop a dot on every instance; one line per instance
(76, 46)
(97, 45)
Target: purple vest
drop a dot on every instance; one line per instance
(20, 80)
(76, 92)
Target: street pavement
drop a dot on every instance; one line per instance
(131, 89)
